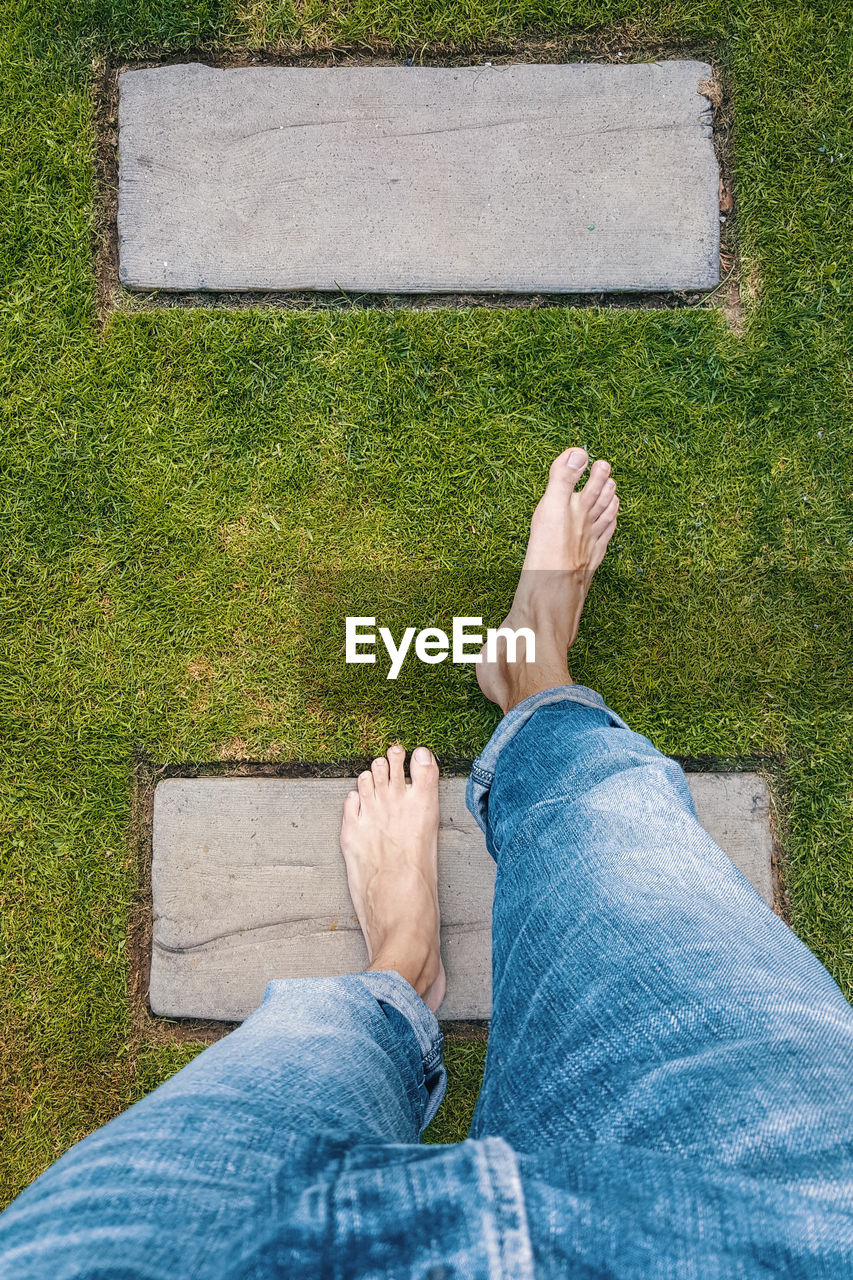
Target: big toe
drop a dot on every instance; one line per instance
(423, 768)
(568, 467)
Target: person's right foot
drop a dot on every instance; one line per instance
(569, 534)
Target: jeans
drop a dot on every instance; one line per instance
(667, 1089)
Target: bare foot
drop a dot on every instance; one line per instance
(389, 840)
(569, 534)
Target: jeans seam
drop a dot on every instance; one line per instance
(500, 1182)
(482, 778)
(387, 986)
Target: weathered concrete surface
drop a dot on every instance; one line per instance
(734, 808)
(519, 178)
(249, 884)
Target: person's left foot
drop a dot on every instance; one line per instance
(389, 840)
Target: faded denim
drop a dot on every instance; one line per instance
(667, 1089)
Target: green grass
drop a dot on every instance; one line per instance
(193, 501)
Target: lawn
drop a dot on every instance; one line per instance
(193, 499)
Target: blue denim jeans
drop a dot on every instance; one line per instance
(667, 1089)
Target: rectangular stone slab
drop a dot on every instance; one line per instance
(514, 178)
(249, 884)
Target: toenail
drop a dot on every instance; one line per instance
(576, 458)
(396, 748)
(423, 755)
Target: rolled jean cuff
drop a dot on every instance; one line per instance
(483, 769)
(388, 987)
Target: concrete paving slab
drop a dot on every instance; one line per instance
(515, 178)
(249, 884)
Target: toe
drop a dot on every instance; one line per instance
(396, 761)
(598, 476)
(379, 769)
(603, 530)
(352, 807)
(607, 515)
(604, 499)
(366, 789)
(568, 468)
(424, 768)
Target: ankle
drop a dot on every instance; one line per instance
(417, 964)
(521, 681)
